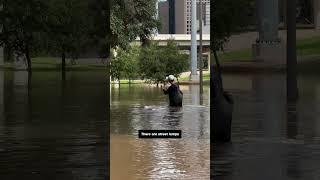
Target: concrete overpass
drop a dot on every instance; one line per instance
(183, 41)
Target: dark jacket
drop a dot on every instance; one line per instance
(175, 95)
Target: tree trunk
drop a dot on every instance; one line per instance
(63, 60)
(7, 54)
(221, 106)
(218, 73)
(27, 53)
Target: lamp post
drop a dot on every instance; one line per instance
(200, 48)
(194, 74)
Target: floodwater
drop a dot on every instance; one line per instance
(140, 107)
(53, 129)
(57, 129)
(272, 138)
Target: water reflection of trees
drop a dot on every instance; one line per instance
(46, 134)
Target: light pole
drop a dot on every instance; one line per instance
(194, 75)
(200, 48)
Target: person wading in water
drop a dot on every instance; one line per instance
(174, 92)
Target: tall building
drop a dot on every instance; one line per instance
(175, 16)
(205, 19)
(163, 15)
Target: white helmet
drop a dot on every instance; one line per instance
(171, 77)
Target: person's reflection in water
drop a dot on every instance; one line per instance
(173, 117)
(221, 165)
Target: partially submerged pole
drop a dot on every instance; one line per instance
(200, 48)
(292, 87)
(194, 73)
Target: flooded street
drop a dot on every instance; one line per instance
(53, 129)
(139, 107)
(272, 139)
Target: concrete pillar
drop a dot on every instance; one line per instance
(268, 46)
(194, 74)
(317, 14)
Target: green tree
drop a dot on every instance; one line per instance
(117, 65)
(228, 17)
(175, 62)
(131, 60)
(131, 19)
(155, 62)
(100, 29)
(69, 28)
(22, 22)
(125, 64)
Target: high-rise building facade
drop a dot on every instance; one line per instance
(205, 18)
(175, 16)
(163, 15)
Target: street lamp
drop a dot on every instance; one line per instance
(200, 48)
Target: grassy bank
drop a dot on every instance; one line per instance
(305, 47)
(206, 77)
(54, 63)
(126, 81)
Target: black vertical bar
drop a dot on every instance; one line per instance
(108, 33)
(172, 17)
(212, 92)
(292, 89)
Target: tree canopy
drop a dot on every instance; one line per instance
(131, 19)
(66, 28)
(157, 62)
(22, 22)
(228, 17)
